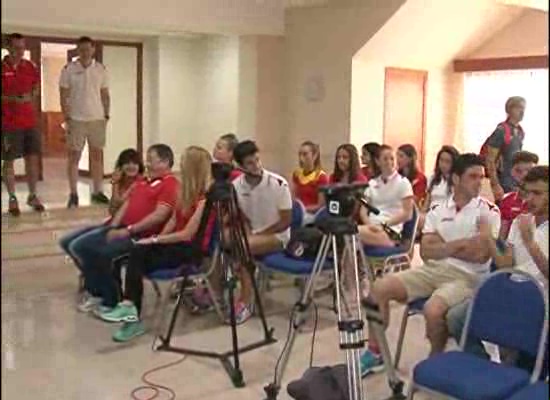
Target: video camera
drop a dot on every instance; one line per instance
(341, 199)
(221, 172)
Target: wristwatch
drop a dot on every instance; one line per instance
(107, 117)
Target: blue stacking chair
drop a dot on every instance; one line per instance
(399, 257)
(280, 262)
(537, 391)
(415, 307)
(508, 309)
(199, 274)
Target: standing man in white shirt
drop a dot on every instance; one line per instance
(264, 198)
(455, 258)
(85, 103)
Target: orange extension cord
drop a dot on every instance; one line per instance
(153, 387)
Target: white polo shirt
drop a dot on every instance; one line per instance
(452, 224)
(522, 259)
(387, 196)
(85, 86)
(439, 192)
(261, 204)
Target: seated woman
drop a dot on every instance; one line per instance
(223, 152)
(368, 154)
(392, 194)
(347, 168)
(129, 169)
(307, 179)
(407, 162)
(171, 249)
(440, 183)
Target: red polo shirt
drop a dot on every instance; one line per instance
(511, 206)
(144, 198)
(18, 80)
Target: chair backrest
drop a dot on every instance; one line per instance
(509, 309)
(320, 214)
(410, 229)
(298, 212)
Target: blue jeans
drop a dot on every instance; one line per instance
(66, 243)
(456, 318)
(96, 257)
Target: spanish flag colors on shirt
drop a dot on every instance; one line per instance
(307, 186)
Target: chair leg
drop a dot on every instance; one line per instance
(81, 284)
(410, 391)
(401, 338)
(156, 288)
(214, 299)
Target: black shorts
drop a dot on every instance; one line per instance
(20, 143)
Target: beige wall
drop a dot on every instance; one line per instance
(270, 97)
(525, 36)
(319, 46)
(426, 39)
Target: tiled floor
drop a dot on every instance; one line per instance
(52, 352)
(53, 190)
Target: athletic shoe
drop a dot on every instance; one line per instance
(88, 303)
(13, 207)
(34, 202)
(243, 312)
(371, 363)
(121, 313)
(73, 201)
(129, 331)
(100, 198)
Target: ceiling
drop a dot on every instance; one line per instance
(145, 17)
(425, 37)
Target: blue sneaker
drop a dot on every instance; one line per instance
(129, 331)
(371, 363)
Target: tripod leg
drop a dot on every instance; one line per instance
(166, 340)
(376, 325)
(299, 310)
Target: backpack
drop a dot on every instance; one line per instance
(304, 242)
(321, 383)
(484, 151)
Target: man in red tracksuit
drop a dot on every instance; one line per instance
(20, 138)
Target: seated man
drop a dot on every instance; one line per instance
(513, 203)
(526, 249)
(266, 202)
(146, 210)
(454, 259)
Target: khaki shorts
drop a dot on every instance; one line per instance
(438, 279)
(80, 131)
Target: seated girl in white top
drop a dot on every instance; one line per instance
(390, 193)
(439, 184)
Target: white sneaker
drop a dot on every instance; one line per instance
(88, 303)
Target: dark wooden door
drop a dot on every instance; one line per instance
(404, 109)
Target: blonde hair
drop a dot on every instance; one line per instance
(195, 175)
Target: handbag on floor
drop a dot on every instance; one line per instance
(321, 383)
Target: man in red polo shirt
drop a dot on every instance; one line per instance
(515, 203)
(147, 209)
(20, 86)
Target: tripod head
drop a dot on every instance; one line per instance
(221, 189)
(341, 198)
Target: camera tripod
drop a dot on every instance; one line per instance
(337, 230)
(222, 200)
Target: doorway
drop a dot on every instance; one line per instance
(404, 109)
(124, 62)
